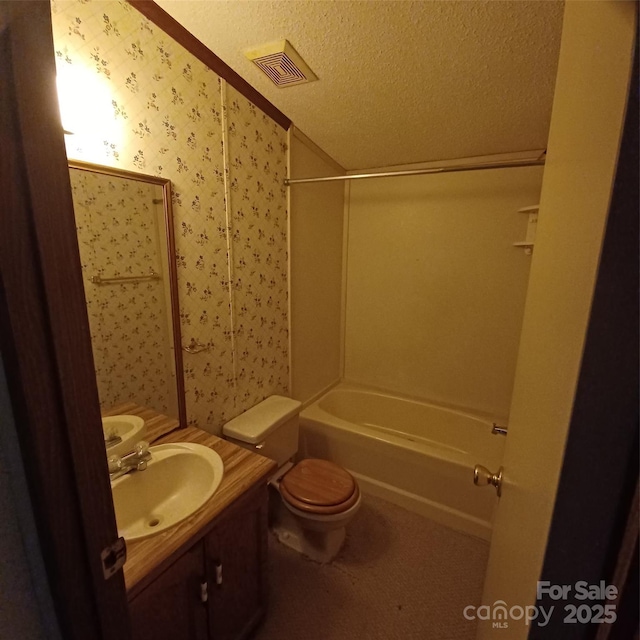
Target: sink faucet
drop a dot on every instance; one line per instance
(135, 461)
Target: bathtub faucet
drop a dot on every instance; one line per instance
(498, 429)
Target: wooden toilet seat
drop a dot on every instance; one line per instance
(319, 487)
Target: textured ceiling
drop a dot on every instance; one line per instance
(399, 81)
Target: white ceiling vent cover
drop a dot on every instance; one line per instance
(281, 63)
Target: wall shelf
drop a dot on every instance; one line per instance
(529, 241)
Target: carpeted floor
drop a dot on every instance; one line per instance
(399, 576)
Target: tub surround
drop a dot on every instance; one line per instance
(244, 473)
(317, 233)
(435, 288)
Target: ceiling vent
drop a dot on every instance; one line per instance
(281, 63)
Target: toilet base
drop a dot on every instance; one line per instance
(320, 546)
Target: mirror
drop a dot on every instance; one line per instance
(125, 235)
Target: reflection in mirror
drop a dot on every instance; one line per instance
(125, 236)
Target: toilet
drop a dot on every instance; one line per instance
(311, 502)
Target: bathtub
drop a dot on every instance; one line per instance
(415, 454)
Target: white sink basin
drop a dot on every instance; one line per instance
(178, 480)
(130, 429)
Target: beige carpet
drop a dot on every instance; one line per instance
(398, 576)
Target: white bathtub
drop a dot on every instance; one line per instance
(418, 455)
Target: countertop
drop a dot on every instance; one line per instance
(243, 470)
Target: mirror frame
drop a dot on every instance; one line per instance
(165, 184)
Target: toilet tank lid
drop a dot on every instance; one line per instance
(254, 425)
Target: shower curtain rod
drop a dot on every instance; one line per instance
(415, 172)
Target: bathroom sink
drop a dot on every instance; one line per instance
(130, 430)
(178, 480)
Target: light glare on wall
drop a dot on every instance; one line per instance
(86, 111)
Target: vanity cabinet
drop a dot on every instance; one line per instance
(217, 589)
(236, 559)
(170, 607)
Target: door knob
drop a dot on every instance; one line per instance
(483, 477)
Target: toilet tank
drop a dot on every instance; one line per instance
(269, 428)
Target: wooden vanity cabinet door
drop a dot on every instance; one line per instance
(236, 559)
(170, 608)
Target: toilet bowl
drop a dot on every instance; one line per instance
(310, 516)
(312, 501)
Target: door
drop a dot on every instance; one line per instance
(44, 336)
(236, 557)
(586, 124)
(172, 607)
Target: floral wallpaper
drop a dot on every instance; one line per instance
(118, 226)
(170, 115)
(258, 228)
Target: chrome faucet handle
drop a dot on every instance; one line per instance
(140, 451)
(141, 448)
(115, 463)
(136, 460)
